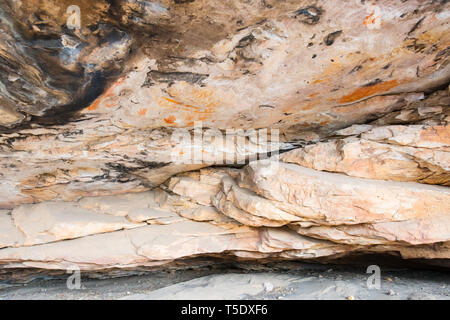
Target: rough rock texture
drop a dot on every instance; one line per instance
(270, 210)
(415, 152)
(90, 172)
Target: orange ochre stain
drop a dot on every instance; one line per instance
(308, 106)
(142, 112)
(439, 134)
(363, 92)
(188, 106)
(170, 119)
(370, 19)
(318, 81)
(112, 103)
(94, 105)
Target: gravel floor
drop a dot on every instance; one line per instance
(298, 282)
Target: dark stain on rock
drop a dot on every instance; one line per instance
(415, 46)
(372, 83)
(443, 54)
(151, 164)
(140, 164)
(330, 38)
(416, 25)
(50, 71)
(309, 15)
(72, 133)
(84, 97)
(245, 41)
(171, 77)
(267, 5)
(431, 49)
(356, 69)
(183, 1)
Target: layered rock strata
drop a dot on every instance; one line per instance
(100, 161)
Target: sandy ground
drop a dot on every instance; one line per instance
(302, 282)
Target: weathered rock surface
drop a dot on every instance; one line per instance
(335, 200)
(269, 210)
(95, 169)
(195, 60)
(100, 159)
(396, 152)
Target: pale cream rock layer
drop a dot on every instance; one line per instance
(401, 153)
(269, 210)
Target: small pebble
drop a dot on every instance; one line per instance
(388, 279)
(350, 298)
(391, 293)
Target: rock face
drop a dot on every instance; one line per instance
(138, 133)
(270, 210)
(397, 152)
